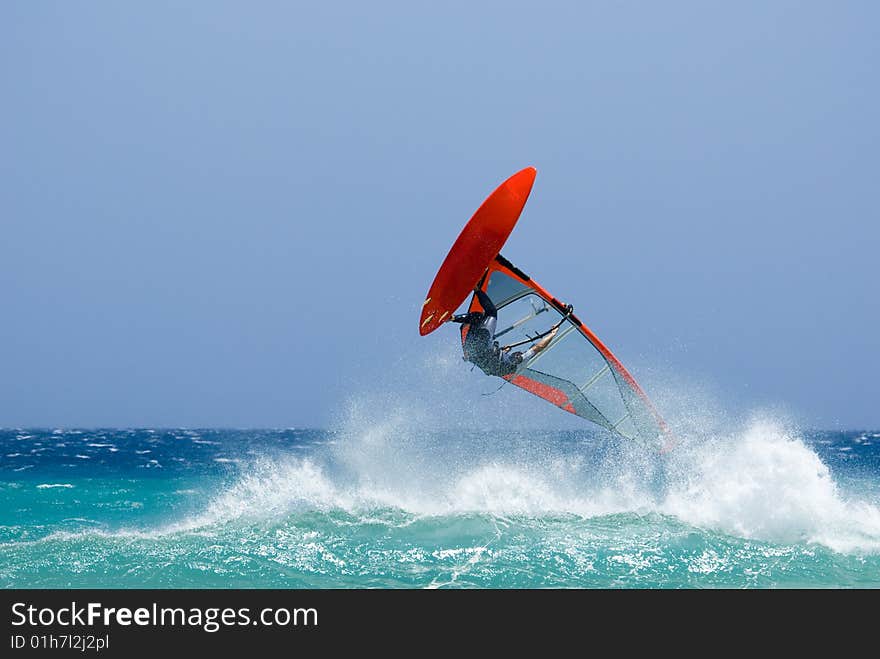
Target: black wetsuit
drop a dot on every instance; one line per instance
(479, 345)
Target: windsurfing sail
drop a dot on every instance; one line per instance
(576, 371)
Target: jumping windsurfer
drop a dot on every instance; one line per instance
(480, 347)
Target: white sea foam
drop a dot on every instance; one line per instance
(761, 483)
(766, 483)
(758, 480)
(48, 486)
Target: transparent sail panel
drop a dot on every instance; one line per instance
(524, 318)
(503, 289)
(571, 372)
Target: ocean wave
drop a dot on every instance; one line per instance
(766, 483)
(763, 483)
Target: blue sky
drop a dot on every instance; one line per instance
(229, 213)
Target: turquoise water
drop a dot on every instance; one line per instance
(764, 506)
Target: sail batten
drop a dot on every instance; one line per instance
(589, 383)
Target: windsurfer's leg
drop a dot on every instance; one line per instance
(539, 346)
(486, 303)
(489, 323)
